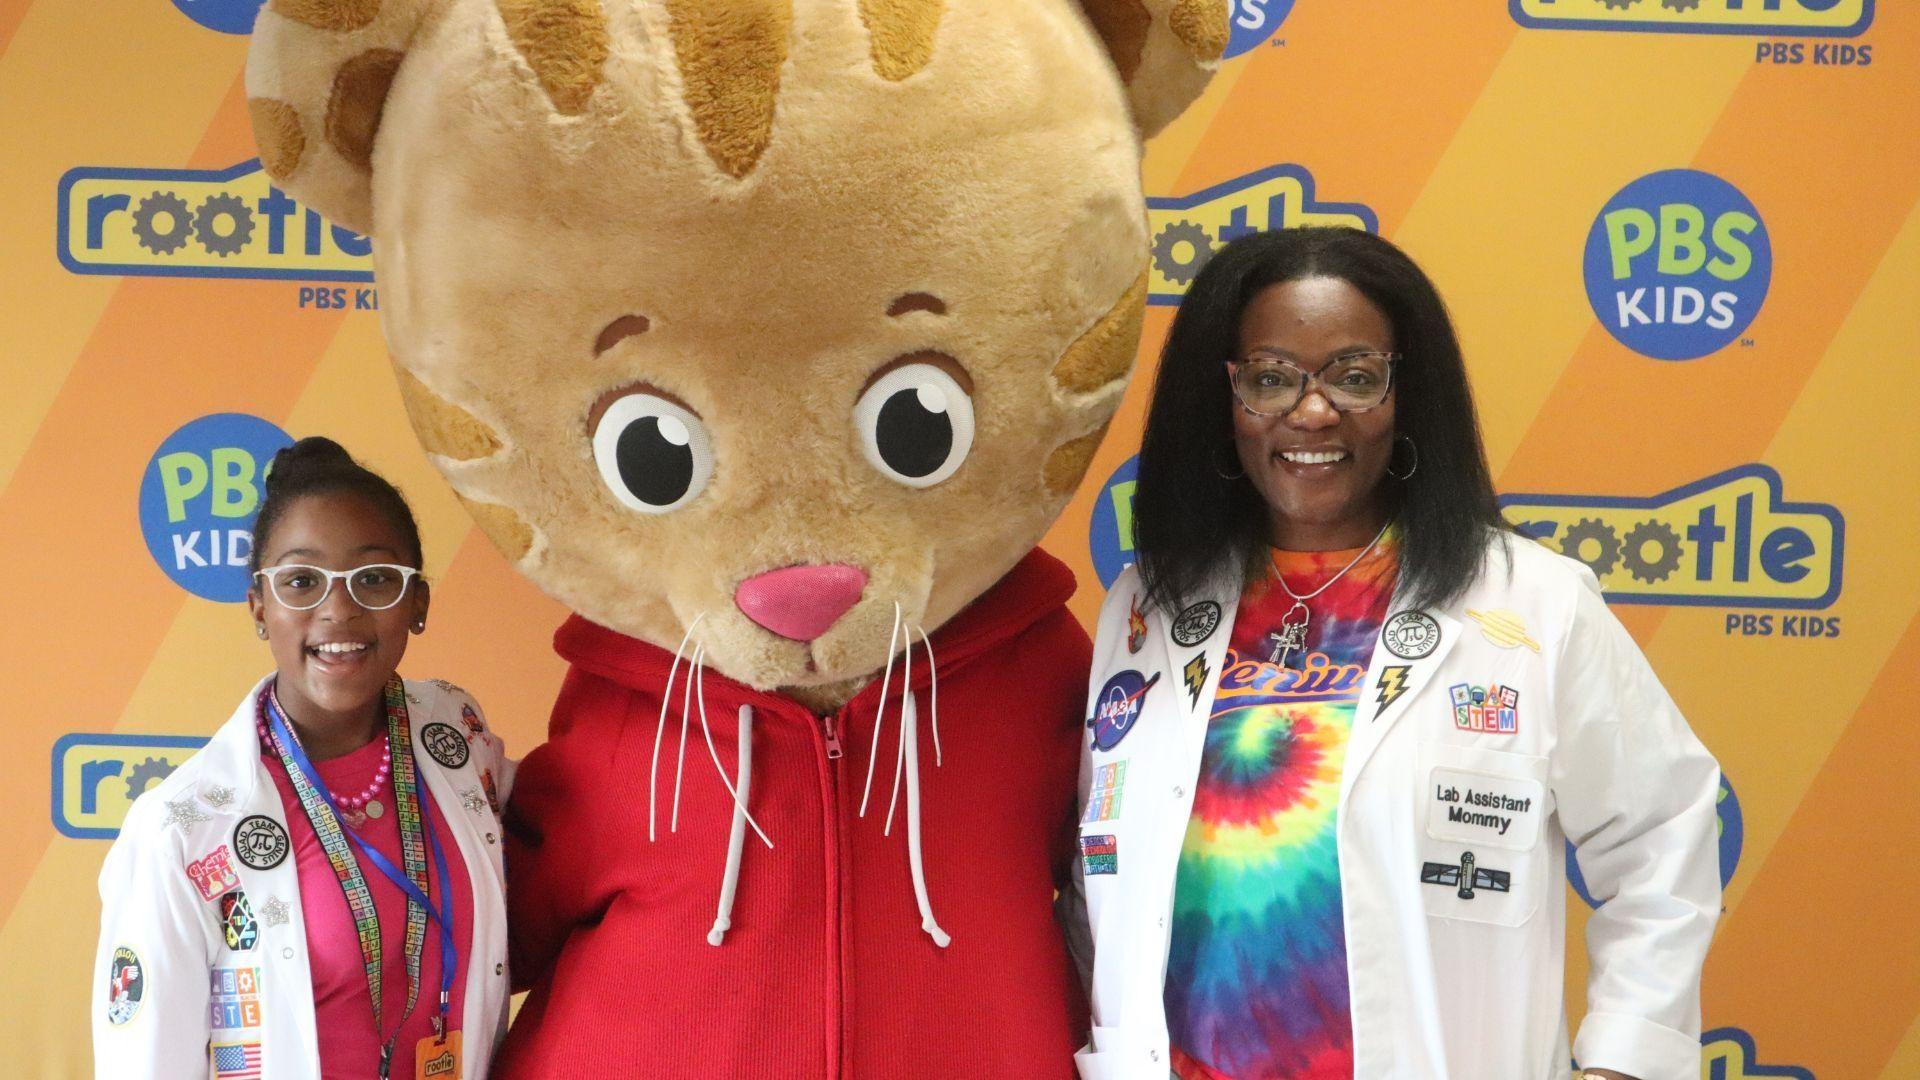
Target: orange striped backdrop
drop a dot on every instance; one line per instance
(1489, 137)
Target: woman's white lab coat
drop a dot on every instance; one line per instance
(1451, 825)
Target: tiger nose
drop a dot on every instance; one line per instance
(800, 602)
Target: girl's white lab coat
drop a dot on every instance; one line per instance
(152, 910)
(1448, 980)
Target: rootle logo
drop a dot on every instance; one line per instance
(1729, 540)
(200, 223)
(97, 777)
(1188, 230)
(1728, 1053)
(1677, 264)
(1799, 18)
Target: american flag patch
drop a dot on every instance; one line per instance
(236, 1061)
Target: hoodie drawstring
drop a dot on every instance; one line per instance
(737, 837)
(910, 727)
(906, 765)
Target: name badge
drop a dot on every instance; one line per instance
(1484, 809)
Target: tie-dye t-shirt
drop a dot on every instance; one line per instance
(1257, 969)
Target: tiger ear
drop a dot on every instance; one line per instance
(1164, 50)
(318, 73)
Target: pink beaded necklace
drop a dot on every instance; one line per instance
(354, 809)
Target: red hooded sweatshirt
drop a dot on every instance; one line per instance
(826, 970)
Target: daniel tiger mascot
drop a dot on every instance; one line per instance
(768, 336)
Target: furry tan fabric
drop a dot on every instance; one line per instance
(902, 34)
(749, 210)
(336, 15)
(729, 57)
(359, 94)
(1201, 25)
(1105, 352)
(444, 428)
(564, 42)
(1123, 25)
(276, 128)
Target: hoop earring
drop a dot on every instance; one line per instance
(1223, 474)
(1412, 448)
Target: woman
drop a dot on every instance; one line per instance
(318, 892)
(1343, 722)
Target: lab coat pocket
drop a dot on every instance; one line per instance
(1483, 817)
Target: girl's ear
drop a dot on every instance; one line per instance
(318, 72)
(422, 599)
(257, 607)
(1164, 50)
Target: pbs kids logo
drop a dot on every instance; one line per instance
(1254, 21)
(1110, 533)
(226, 16)
(198, 498)
(1677, 264)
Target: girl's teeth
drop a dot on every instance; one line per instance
(339, 648)
(1302, 457)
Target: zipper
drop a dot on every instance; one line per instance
(834, 813)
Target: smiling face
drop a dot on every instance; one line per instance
(335, 659)
(1319, 470)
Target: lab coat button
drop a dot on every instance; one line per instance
(489, 838)
(499, 969)
(1154, 1054)
(287, 952)
(1179, 792)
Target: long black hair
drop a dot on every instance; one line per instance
(1192, 524)
(316, 465)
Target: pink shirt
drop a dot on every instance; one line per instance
(343, 1010)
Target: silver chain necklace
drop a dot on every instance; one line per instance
(1292, 636)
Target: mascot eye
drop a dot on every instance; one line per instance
(916, 424)
(653, 454)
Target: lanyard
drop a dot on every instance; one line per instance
(415, 821)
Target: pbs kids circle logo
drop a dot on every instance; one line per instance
(226, 16)
(1110, 532)
(1732, 833)
(1677, 264)
(1253, 22)
(198, 499)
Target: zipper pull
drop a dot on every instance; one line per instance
(834, 752)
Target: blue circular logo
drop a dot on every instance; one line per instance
(1118, 706)
(1110, 532)
(1732, 833)
(198, 498)
(1677, 264)
(226, 16)
(1253, 22)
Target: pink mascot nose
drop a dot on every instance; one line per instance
(800, 602)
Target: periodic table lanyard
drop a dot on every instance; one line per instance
(415, 834)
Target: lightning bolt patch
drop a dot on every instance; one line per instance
(1393, 683)
(1196, 675)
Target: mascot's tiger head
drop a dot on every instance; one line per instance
(765, 315)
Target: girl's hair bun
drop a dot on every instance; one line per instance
(311, 455)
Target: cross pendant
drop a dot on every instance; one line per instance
(1291, 637)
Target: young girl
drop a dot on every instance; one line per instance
(318, 892)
